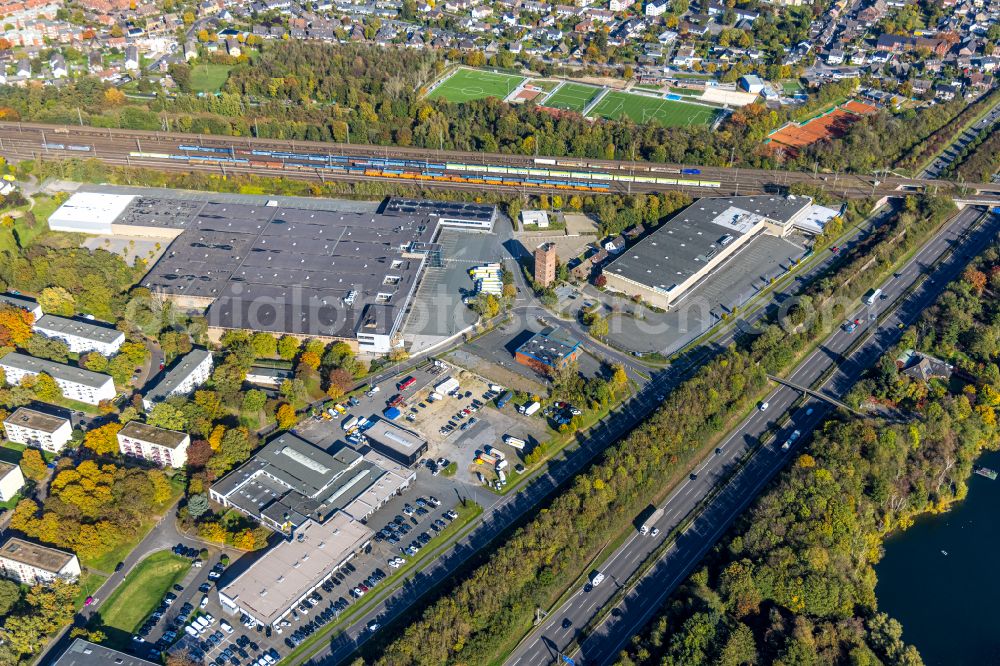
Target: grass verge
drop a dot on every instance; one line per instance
(141, 591)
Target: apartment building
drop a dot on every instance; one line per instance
(157, 445)
(75, 383)
(30, 564)
(81, 336)
(186, 375)
(11, 481)
(38, 429)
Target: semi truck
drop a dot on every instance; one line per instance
(514, 442)
(653, 515)
(504, 399)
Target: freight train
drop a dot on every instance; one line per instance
(409, 169)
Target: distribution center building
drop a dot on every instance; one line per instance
(300, 270)
(663, 266)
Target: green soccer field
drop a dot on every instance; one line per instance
(642, 109)
(469, 84)
(571, 96)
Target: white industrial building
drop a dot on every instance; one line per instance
(11, 481)
(89, 212)
(81, 336)
(156, 445)
(538, 218)
(272, 586)
(38, 429)
(75, 383)
(185, 376)
(30, 564)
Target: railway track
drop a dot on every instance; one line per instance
(20, 141)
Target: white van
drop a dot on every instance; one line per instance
(596, 577)
(226, 627)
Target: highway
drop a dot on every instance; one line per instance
(21, 141)
(516, 505)
(647, 593)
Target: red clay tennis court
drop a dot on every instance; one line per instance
(829, 125)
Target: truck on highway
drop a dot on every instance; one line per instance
(872, 296)
(530, 408)
(653, 514)
(514, 442)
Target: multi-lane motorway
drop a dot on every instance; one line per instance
(615, 626)
(21, 141)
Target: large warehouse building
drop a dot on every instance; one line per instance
(287, 269)
(666, 264)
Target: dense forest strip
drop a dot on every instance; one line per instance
(795, 583)
(477, 617)
(980, 161)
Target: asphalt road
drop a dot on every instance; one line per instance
(31, 140)
(642, 602)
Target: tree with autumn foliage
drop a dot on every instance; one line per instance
(103, 440)
(286, 416)
(33, 465)
(15, 326)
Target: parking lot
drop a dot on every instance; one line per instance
(404, 527)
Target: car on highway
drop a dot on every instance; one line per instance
(763, 406)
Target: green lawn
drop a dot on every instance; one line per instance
(546, 85)
(469, 84)
(208, 78)
(142, 590)
(642, 109)
(571, 96)
(791, 87)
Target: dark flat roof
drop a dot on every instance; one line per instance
(295, 270)
(176, 375)
(686, 243)
(294, 479)
(79, 328)
(549, 346)
(55, 370)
